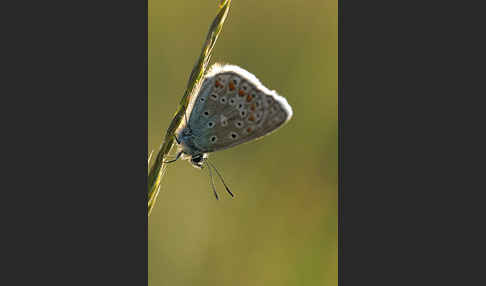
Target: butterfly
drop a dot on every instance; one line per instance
(231, 107)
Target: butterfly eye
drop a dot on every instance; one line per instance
(210, 124)
(206, 113)
(202, 99)
(240, 106)
(222, 100)
(197, 159)
(239, 124)
(243, 113)
(214, 96)
(232, 101)
(213, 138)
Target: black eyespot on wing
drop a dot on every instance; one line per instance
(233, 135)
(269, 100)
(236, 81)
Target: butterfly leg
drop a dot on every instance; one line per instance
(177, 158)
(177, 139)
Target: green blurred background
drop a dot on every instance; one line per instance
(281, 227)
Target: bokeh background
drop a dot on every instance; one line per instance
(281, 227)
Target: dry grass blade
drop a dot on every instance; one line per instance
(157, 170)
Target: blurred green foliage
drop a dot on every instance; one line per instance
(281, 227)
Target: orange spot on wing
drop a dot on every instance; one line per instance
(251, 117)
(231, 86)
(252, 107)
(249, 98)
(241, 92)
(248, 129)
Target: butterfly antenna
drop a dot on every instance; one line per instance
(221, 178)
(212, 182)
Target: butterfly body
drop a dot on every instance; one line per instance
(231, 107)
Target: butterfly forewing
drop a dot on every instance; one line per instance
(233, 107)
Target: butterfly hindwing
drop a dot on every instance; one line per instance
(233, 107)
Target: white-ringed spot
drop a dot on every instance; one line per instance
(233, 135)
(243, 113)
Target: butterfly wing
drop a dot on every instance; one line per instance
(233, 107)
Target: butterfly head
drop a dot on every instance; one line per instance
(186, 143)
(198, 160)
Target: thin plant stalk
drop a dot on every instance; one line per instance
(157, 170)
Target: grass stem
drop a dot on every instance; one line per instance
(158, 168)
